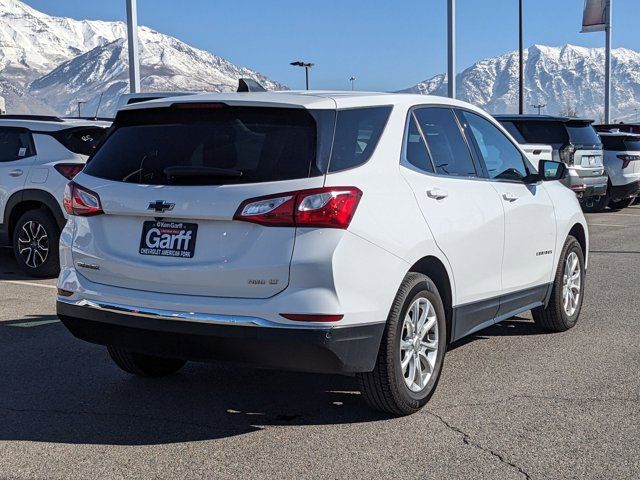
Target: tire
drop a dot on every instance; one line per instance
(385, 388)
(35, 244)
(144, 365)
(555, 317)
(620, 204)
(598, 206)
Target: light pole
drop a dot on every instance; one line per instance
(540, 106)
(306, 66)
(352, 80)
(521, 63)
(80, 102)
(132, 39)
(451, 48)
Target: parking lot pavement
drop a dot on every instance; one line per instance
(512, 402)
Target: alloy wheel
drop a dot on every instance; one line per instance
(571, 284)
(419, 344)
(33, 244)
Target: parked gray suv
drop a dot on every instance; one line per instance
(575, 143)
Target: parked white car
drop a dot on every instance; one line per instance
(622, 164)
(316, 231)
(38, 157)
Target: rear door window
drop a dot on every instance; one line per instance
(357, 133)
(416, 152)
(447, 146)
(209, 145)
(513, 130)
(15, 144)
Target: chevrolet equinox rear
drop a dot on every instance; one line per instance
(320, 232)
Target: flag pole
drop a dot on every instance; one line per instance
(607, 70)
(132, 38)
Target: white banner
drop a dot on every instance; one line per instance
(594, 18)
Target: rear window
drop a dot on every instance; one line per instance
(543, 132)
(582, 133)
(209, 146)
(218, 144)
(620, 143)
(82, 140)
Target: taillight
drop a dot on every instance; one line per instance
(567, 154)
(81, 201)
(328, 207)
(627, 159)
(69, 170)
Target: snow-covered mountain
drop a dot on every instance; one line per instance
(48, 64)
(563, 78)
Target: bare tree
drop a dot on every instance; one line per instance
(569, 110)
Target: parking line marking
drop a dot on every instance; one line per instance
(607, 225)
(29, 284)
(32, 324)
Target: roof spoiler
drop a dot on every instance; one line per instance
(249, 85)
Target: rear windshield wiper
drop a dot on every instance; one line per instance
(192, 172)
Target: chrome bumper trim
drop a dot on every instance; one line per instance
(209, 318)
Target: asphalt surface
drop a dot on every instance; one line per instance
(513, 402)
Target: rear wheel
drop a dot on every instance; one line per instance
(567, 294)
(620, 204)
(411, 352)
(35, 244)
(144, 365)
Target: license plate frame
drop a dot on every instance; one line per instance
(166, 238)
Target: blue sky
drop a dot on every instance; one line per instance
(387, 45)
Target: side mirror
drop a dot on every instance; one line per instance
(549, 170)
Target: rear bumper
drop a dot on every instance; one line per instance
(620, 192)
(586, 187)
(247, 340)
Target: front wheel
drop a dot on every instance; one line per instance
(412, 350)
(567, 292)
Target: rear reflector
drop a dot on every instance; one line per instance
(578, 187)
(64, 293)
(329, 207)
(311, 318)
(81, 201)
(69, 170)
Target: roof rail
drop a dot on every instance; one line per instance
(44, 118)
(249, 85)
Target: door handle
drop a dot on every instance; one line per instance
(510, 197)
(16, 173)
(437, 194)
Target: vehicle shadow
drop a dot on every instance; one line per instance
(54, 388)
(515, 326)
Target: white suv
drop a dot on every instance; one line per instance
(314, 231)
(622, 163)
(38, 157)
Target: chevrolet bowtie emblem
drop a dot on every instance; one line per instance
(161, 206)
